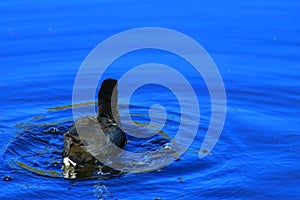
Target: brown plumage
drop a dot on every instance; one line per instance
(90, 138)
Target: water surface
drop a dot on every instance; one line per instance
(255, 46)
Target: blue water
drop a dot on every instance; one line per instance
(255, 45)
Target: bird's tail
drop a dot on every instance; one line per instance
(108, 100)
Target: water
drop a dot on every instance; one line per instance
(255, 46)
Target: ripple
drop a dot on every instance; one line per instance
(37, 149)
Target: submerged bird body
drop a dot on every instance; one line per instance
(90, 138)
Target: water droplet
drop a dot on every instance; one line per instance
(7, 178)
(180, 180)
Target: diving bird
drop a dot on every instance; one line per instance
(91, 138)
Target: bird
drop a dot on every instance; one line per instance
(94, 137)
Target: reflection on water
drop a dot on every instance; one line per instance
(57, 108)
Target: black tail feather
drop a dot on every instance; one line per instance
(108, 100)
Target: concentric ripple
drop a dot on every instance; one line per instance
(37, 149)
